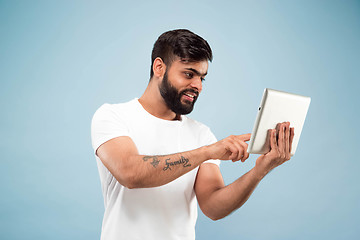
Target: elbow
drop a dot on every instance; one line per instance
(130, 176)
(215, 217)
(130, 183)
(128, 179)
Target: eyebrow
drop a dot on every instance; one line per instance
(196, 71)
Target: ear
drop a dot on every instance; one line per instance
(159, 67)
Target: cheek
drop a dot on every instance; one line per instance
(201, 87)
(178, 81)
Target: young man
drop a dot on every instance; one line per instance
(156, 164)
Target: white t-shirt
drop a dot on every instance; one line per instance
(166, 212)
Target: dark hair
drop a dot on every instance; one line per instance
(182, 43)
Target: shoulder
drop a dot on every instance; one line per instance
(115, 109)
(110, 121)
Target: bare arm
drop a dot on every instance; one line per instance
(217, 200)
(120, 156)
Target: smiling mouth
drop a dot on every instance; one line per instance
(189, 96)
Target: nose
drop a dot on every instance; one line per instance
(197, 84)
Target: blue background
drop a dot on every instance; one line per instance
(61, 60)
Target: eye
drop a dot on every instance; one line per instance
(189, 75)
(202, 79)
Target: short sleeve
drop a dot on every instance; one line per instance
(107, 124)
(210, 139)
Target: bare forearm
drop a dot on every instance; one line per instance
(225, 200)
(151, 171)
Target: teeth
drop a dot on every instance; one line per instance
(192, 96)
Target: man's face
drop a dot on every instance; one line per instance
(182, 84)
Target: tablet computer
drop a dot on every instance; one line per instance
(277, 107)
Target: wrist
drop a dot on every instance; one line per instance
(259, 173)
(204, 153)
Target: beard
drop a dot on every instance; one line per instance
(172, 97)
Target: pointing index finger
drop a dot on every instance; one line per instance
(245, 137)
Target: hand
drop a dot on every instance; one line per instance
(231, 148)
(280, 149)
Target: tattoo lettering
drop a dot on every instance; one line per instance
(182, 160)
(155, 160)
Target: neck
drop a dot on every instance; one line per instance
(153, 103)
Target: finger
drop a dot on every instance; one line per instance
(273, 141)
(232, 155)
(243, 149)
(234, 152)
(240, 150)
(287, 141)
(244, 146)
(230, 148)
(292, 134)
(244, 137)
(281, 140)
(277, 131)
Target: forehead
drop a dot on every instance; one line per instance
(200, 66)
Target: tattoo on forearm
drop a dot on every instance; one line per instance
(182, 160)
(155, 160)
